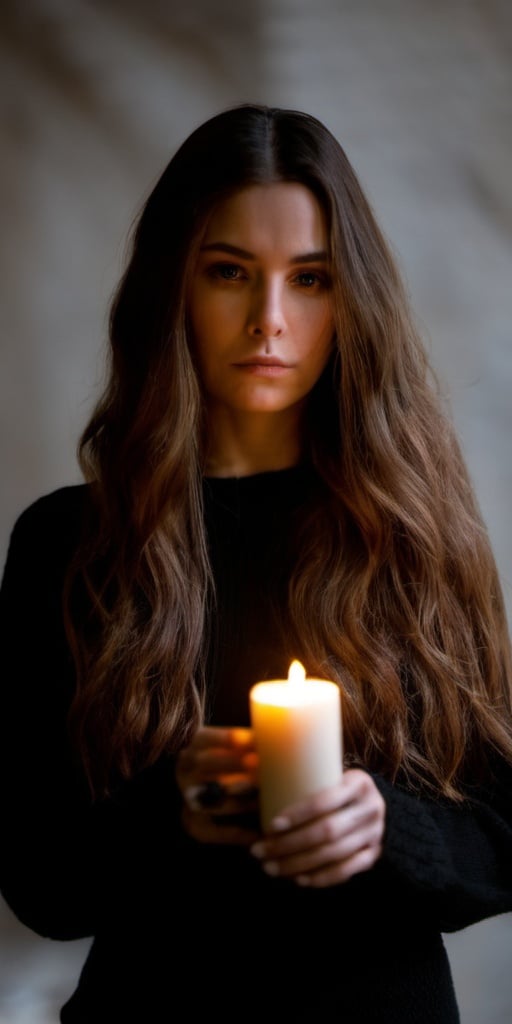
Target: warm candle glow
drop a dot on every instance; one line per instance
(297, 729)
(296, 672)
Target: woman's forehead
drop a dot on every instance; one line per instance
(259, 216)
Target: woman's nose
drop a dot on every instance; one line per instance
(266, 315)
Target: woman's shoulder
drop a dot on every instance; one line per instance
(42, 541)
(55, 509)
(51, 524)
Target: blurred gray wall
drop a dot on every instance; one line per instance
(94, 98)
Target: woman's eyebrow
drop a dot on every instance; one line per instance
(233, 250)
(317, 256)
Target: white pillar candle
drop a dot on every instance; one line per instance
(297, 733)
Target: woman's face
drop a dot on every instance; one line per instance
(260, 303)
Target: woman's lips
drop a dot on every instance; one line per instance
(263, 367)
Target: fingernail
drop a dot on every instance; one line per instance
(271, 867)
(280, 824)
(303, 880)
(258, 850)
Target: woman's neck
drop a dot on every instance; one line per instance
(243, 445)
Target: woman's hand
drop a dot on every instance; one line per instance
(328, 838)
(216, 775)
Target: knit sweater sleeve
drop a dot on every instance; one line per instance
(455, 858)
(65, 861)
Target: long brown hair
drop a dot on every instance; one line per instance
(395, 592)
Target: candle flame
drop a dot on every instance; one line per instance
(296, 672)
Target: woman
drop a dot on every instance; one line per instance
(269, 475)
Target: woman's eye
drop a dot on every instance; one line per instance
(226, 271)
(310, 279)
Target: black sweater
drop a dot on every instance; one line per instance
(182, 928)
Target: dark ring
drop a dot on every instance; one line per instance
(211, 794)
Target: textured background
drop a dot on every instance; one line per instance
(94, 97)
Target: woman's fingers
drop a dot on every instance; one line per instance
(325, 840)
(211, 761)
(216, 736)
(205, 828)
(217, 782)
(316, 856)
(353, 789)
(217, 795)
(340, 871)
(320, 841)
(216, 752)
